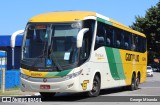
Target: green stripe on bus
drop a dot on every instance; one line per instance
(118, 62)
(115, 63)
(104, 21)
(58, 74)
(112, 64)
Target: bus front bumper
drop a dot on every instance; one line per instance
(70, 85)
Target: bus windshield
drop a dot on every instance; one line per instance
(50, 46)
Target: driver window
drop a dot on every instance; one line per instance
(87, 40)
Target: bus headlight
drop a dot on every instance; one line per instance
(24, 76)
(70, 76)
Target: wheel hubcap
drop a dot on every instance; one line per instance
(95, 86)
(137, 83)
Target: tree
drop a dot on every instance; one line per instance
(150, 26)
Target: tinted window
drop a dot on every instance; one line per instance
(127, 41)
(118, 36)
(87, 40)
(110, 36)
(100, 36)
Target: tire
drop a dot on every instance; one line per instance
(96, 87)
(133, 82)
(137, 83)
(47, 95)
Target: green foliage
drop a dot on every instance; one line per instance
(150, 26)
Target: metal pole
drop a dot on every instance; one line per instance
(3, 69)
(3, 80)
(12, 58)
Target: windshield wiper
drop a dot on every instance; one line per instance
(43, 55)
(51, 53)
(36, 61)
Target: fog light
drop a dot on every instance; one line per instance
(23, 85)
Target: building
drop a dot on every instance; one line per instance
(12, 73)
(5, 44)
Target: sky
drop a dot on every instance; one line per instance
(14, 14)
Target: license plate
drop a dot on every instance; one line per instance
(45, 86)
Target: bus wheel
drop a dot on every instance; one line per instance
(96, 87)
(47, 94)
(137, 83)
(133, 82)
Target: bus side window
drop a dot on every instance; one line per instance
(118, 36)
(100, 38)
(83, 50)
(87, 40)
(108, 42)
(139, 44)
(109, 36)
(127, 41)
(142, 44)
(134, 43)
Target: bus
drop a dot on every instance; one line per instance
(80, 51)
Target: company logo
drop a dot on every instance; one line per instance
(6, 99)
(132, 57)
(84, 84)
(36, 74)
(99, 56)
(44, 79)
(19, 99)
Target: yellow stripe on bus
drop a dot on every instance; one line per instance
(33, 73)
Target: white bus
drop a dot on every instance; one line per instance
(78, 51)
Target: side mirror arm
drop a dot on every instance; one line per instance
(80, 36)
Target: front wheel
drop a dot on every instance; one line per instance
(96, 87)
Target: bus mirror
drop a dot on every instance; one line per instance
(80, 36)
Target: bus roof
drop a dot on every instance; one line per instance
(121, 26)
(67, 16)
(71, 16)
